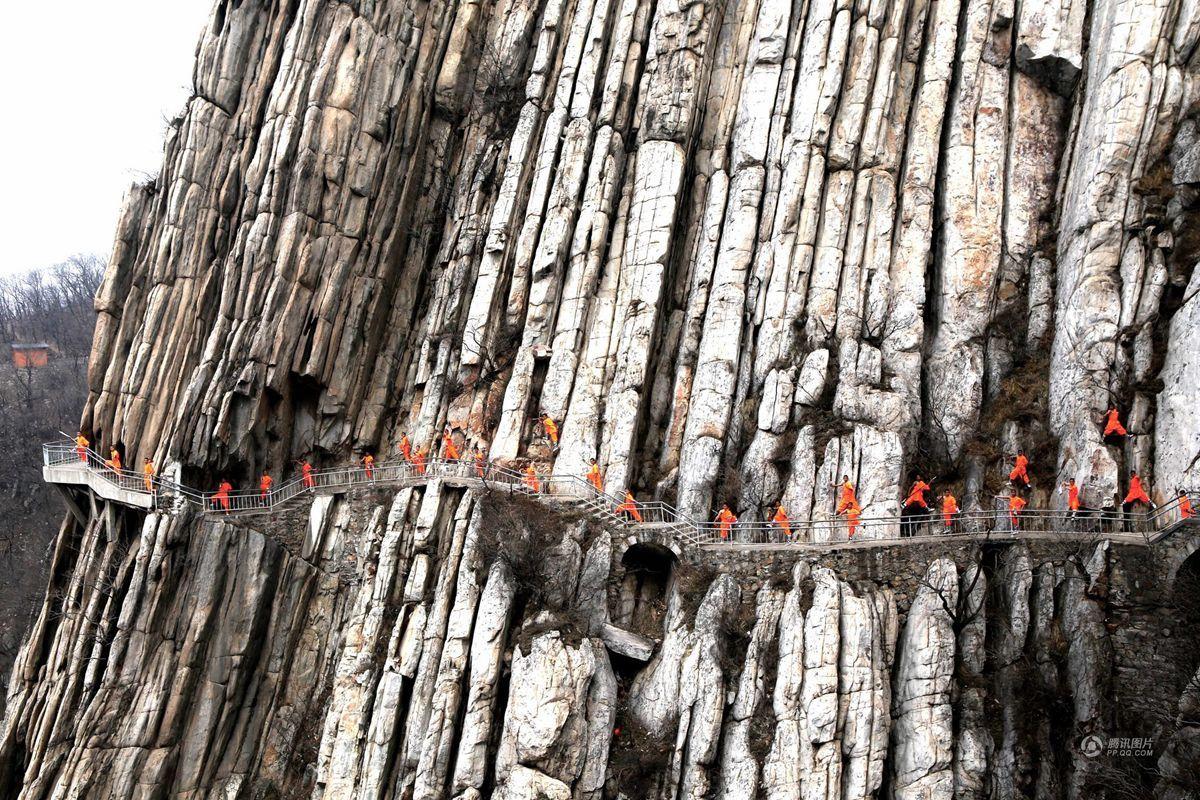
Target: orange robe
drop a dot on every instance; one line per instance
(1185, 508)
(264, 485)
(531, 479)
(369, 465)
(81, 446)
(726, 518)
(781, 520)
(1015, 504)
(1073, 496)
(949, 509)
(479, 463)
(853, 514)
(1020, 470)
(148, 476)
(1113, 426)
(1136, 493)
(222, 496)
(629, 507)
(449, 449)
(916, 495)
(551, 429)
(418, 460)
(116, 459)
(595, 479)
(306, 471)
(847, 499)
(406, 448)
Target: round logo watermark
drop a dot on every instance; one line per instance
(1091, 745)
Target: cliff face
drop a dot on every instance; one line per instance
(440, 642)
(736, 250)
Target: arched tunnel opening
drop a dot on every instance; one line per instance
(642, 592)
(1185, 601)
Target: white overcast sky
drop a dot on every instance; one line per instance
(86, 87)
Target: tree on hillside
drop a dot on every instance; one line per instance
(52, 305)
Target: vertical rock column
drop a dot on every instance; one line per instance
(923, 733)
(1126, 68)
(676, 74)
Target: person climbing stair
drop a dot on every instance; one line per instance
(629, 508)
(1185, 506)
(530, 480)
(594, 477)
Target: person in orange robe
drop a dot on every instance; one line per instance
(81, 446)
(853, 515)
(629, 507)
(551, 430)
(369, 465)
(916, 495)
(1072, 496)
(115, 458)
(479, 461)
(306, 473)
(1185, 506)
(148, 474)
(531, 479)
(405, 446)
(726, 518)
(949, 509)
(1136, 493)
(1020, 470)
(264, 487)
(221, 498)
(595, 478)
(449, 449)
(418, 460)
(1112, 425)
(781, 521)
(1015, 504)
(847, 498)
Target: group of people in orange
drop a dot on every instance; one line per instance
(914, 503)
(113, 462)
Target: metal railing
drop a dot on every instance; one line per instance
(657, 517)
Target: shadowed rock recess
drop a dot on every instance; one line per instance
(737, 249)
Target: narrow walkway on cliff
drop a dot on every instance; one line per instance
(64, 465)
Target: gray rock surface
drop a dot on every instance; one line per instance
(735, 251)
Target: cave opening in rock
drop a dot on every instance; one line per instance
(642, 593)
(533, 433)
(1185, 600)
